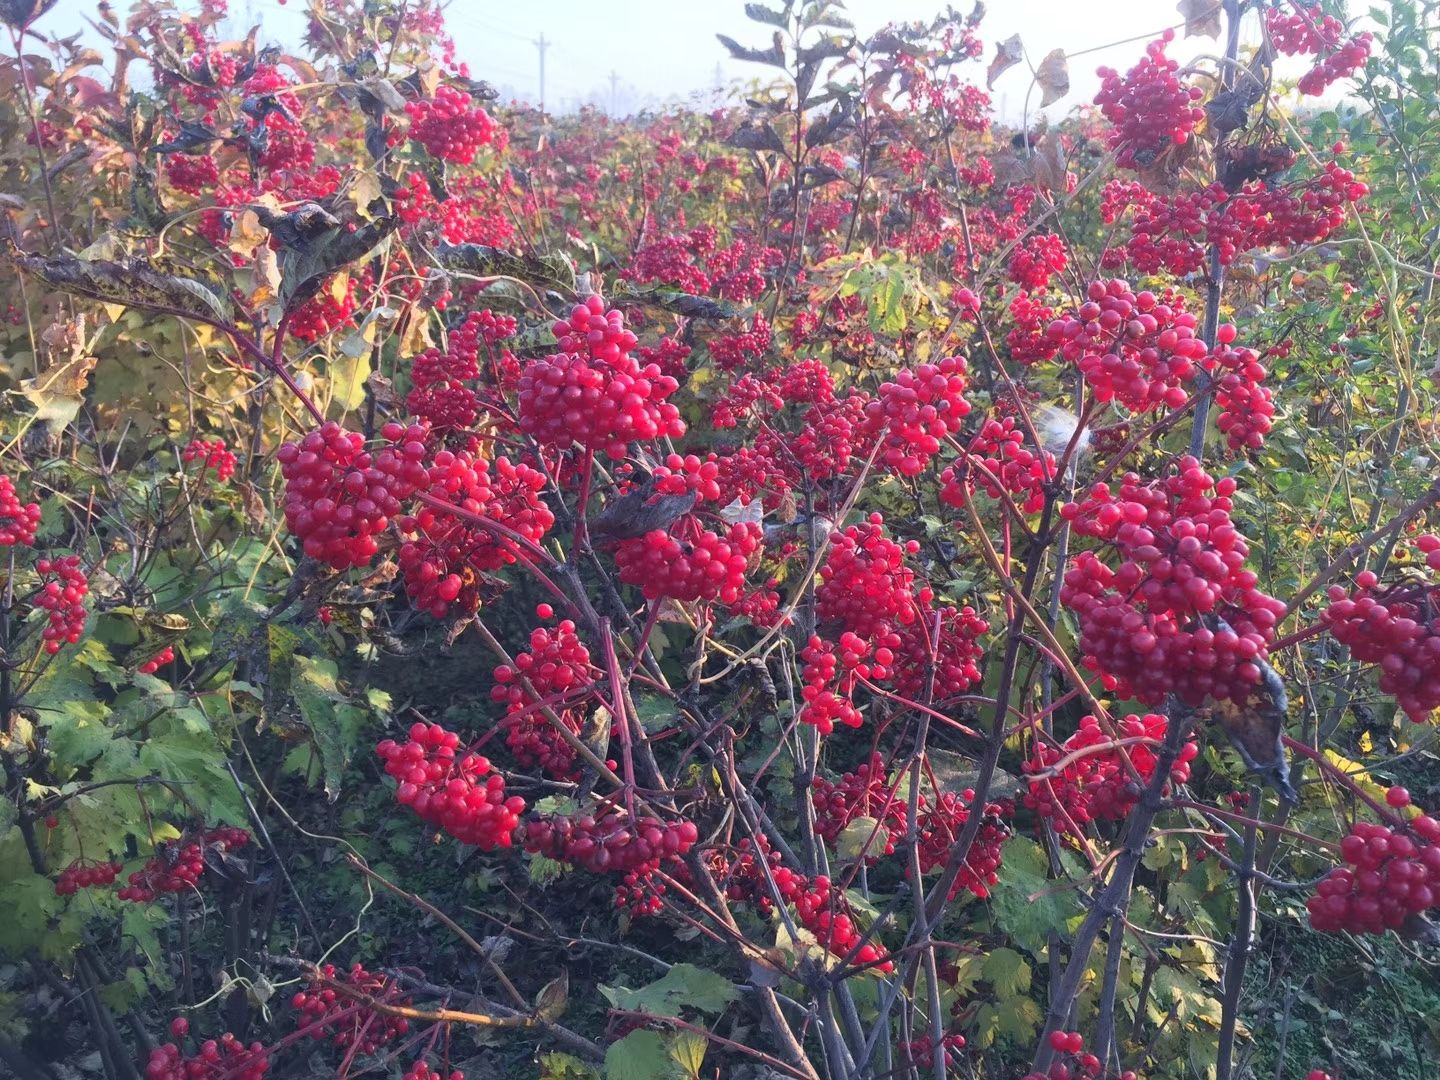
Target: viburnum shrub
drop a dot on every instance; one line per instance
(733, 591)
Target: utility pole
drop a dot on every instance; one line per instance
(614, 80)
(542, 45)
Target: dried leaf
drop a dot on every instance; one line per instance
(1008, 53)
(554, 996)
(1202, 17)
(58, 389)
(1053, 75)
(1048, 164)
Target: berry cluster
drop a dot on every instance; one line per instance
(1397, 628)
(689, 563)
(1180, 613)
(159, 660)
(177, 866)
(450, 125)
(826, 690)
(1137, 349)
(18, 521)
(998, 461)
(1340, 64)
(921, 1051)
(916, 410)
(1390, 875)
(823, 910)
(62, 591)
(1303, 31)
(444, 554)
(557, 666)
(334, 1016)
(213, 455)
(865, 793)
(957, 653)
(593, 393)
(609, 840)
(1036, 261)
(82, 874)
(421, 1070)
(339, 496)
(451, 790)
(865, 586)
(1089, 777)
(940, 822)
(1246, 407)
(1150, 108)
(1073, 1062)
(328, 310)
(1027, 338)
(226, 1058)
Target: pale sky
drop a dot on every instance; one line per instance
(664, 49)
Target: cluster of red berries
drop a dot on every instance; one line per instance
(193, 174)
(1302, 31)
(444, 554)
(558, 668)
(1246, 406)
(689, 562)
(1391, 874)
(1028, 339)
(421, 1070)
(1074, 1063)
(733, 351)
(62, 591)
(339, 496)
(177, 866)
(865, 586)
(450, 789)
(921, 1051)
(18, 521)
(867, 792)
(609, 840)
(593, 393)
(1036, 261)
(226, 1058)
(1168, 232)
(956, 659)
(450, 125)
(940, 822)
(324, 312)
(999, 463)
(1180, 613)
(1137, 349)
(1306, 212)
(682, 475)
(823, 910)
(1095, 783)
(82, 874)
(213, 454)
(916, 410)
(1342, 63)
(159, 660)
(1397, 628)
(335, 1016)
(831, 436)
(826, 689)
(1150, 107)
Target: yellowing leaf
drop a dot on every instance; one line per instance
(365, 191)
(58, 388)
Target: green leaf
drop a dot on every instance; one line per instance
(859, 838)
(1007, 972)
(565, 1067)
(333, 720)
(1026, 902)
(683, 985)
(641, 1055)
